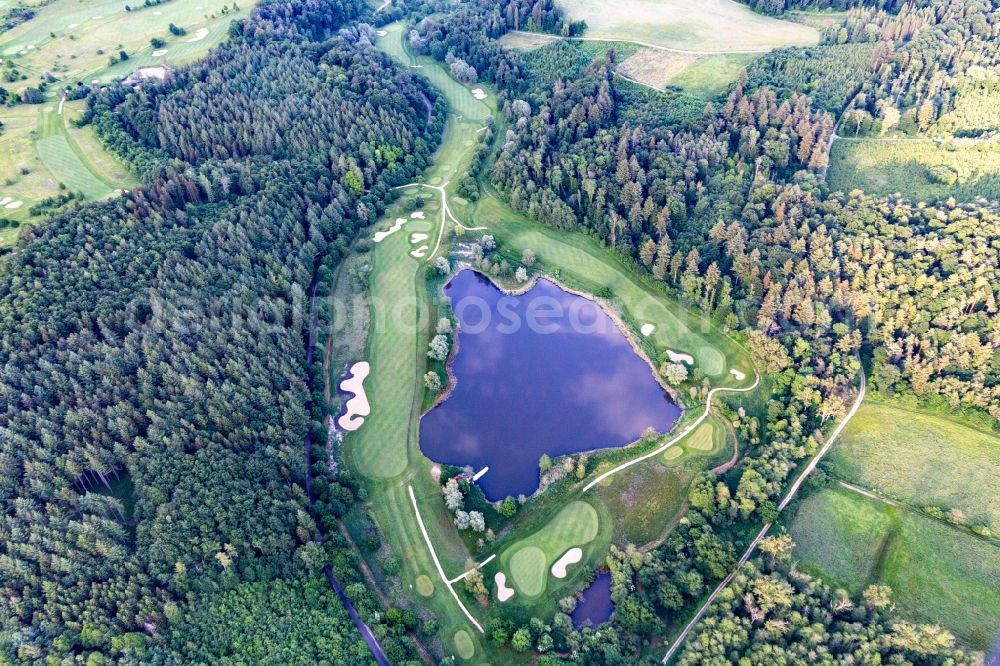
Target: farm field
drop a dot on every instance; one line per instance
(922, 170)
(706, 25)
(948, 465)
(938, 573)
(75, 44)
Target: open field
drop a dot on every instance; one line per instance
(526, 41)
(922, 170)
(703, 25)
(947, 464)
(703, 76)
(938, 573)
(74, 42)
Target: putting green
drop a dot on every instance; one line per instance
(673, 453)
(463, 644)
(424, 586)
(703, 438)
(711, 361)
(527, 566)
(529, 559)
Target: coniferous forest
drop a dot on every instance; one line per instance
(157, 407)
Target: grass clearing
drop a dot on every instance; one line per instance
(922, 170)
(528, 560)
(526, 41)
(705, 76)
(702, 25)
(948, 465)
(938, 573)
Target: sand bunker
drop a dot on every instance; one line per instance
(14, 204)
(96, 18)
(382, 235)
(736, 373)
(419, 252)
(503, 592)
(647, 329)
(5, 201)
(159, 52)
(416, 238)
(678, 358)
(200, 34)
(572, 556)
(417, 215)
(95, 80)
(72, 25)
(357, 407)
(157, 13)
(381, 33)
(479, 93)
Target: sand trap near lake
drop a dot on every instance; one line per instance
(503, 592)
(419, 252)
(159, 52)
(736, 373)
(571, 556)
(382, 235)
(417, 238)
(647, 329)
(417, 215)
(678, 358)
(357, 407)
(200, 34)
(479, 93)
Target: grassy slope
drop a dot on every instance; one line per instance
(706, 25)
(888, 167)
(938, 573)
(948, 465)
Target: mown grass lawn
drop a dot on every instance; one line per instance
(922, 459)
(938, 573)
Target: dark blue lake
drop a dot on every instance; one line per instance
(595, 607)
(544, 372)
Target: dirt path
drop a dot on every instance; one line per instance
(862, 388)
(383, 600)
(731, 463)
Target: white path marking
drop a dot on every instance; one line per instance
(763, 531)
(697, 422)
(437, 563)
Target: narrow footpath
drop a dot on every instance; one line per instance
(862, 388)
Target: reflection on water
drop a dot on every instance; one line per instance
(546, 372)
(595, 607)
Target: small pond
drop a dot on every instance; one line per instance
(547, 372)
(595, 607)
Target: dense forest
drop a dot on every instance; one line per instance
(160, 469)
(731, 211)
